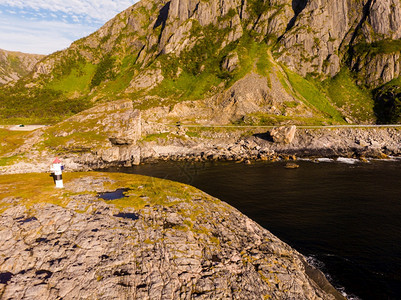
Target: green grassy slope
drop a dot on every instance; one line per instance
(101, 68)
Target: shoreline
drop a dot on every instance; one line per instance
(308, 144)
(177, 241)
(361, 144)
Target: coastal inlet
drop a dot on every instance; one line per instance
(342, 212)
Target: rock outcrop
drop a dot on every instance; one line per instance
(313, 42)
(283, 134)
(111, 130)
(324, 32)
(162, 241)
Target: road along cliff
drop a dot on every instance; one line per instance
(116, 134)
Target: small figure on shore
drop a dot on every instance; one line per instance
(57, 171)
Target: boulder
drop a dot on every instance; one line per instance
(283, 134)
(124, 127)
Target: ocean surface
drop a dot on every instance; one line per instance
(344, 215)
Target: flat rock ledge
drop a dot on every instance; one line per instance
(164, 240)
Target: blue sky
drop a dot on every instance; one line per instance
(45, 26)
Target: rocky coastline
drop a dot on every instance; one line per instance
(159, 240)
(358, 143)
(306, 143)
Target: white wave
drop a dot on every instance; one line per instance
(304, 159)
(325, 159)
(314, 262)
(347, 296)
(390, 158)
(345, 160)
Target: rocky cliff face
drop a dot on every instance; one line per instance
(14, 65)
(326, 33)
(313, 36)
(179, 50)
(163, 240)
(151, 28)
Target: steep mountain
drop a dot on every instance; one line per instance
(228, 61)
(327, 35)
(14, 65)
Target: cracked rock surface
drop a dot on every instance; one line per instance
(162, 240)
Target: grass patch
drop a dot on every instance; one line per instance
(75, 142)
(250, 52)
(34, 188)
(187, 86)
(263, 64)
(11, 140)
(193, 134)
(144, 190)
(30, 189)
(37, 105)
(344, 93)
(114, 87)
(103, 71)
(379, 47)
(313, 96)
(291, 104)
(155, 136)
(6, 161)
(115, 78)
(78, 79)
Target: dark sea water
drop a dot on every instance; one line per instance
(345, 217)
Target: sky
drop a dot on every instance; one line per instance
(46, 26)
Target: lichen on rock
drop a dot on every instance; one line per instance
(163, 241)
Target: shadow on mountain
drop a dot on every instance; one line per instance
(162, 18)
(387, 107)
(297, 6)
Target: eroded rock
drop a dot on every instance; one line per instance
(230, 63)
(283, 134)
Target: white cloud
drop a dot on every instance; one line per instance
(101, 10)
(50, 25)
(40, 37)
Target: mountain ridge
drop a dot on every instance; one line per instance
(15, 65)
(160, 53)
